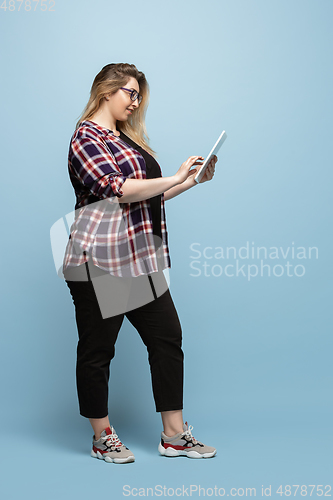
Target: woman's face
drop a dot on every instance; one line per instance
(120, 104)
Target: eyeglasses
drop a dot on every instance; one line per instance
(134, 94)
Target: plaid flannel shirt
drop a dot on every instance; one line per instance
(118, 237)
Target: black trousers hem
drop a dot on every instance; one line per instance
(170, 408)
(159, 410)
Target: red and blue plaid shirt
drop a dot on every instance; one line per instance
(118, 237)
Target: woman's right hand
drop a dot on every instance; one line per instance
(184, 171)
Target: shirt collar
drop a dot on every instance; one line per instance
(103, 130)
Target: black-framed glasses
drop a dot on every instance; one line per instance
(134, 94)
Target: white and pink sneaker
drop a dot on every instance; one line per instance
(109, 448)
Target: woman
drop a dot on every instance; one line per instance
(118, 249)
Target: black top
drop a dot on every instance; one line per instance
(152, 172)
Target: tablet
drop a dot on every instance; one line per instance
(215, 149)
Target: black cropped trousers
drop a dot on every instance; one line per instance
(158, 325)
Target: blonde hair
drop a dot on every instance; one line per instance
(110, 79)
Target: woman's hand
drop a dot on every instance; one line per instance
(210, 170)
(184, 171)
(189, 182)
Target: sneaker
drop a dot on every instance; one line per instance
(184, 444)
(109, 448)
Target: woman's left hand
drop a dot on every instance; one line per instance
(210, 170)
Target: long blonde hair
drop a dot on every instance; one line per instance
(110, 79)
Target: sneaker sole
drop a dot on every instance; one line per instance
(114, 460)
(171, 452)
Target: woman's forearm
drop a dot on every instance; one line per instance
(143, 189)
(180, 188)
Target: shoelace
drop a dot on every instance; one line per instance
(113, 439)
(188, 435)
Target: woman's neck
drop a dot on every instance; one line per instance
(105, 121)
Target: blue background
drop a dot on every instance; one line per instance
(258, 352)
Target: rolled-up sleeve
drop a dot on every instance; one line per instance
(95, 166)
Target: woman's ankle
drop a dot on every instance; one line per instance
(172, 422)
(98, 425)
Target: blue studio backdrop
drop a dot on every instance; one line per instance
(251, 273)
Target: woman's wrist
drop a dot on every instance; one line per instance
(176, 180)
(190, 182)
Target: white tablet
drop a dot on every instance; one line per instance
(215, 149)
